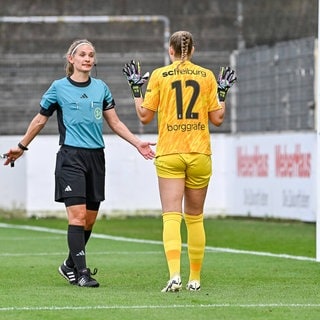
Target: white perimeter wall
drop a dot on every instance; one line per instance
(260, 175)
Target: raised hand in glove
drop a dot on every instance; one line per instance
(132, 72)
(226, 79)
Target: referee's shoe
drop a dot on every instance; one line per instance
(68, 273)
(85, 279)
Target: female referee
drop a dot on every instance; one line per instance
(186, 97)
(81, 103)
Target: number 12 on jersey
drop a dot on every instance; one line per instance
(177, 86)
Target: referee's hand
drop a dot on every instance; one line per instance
(12, 155)
(144, 148)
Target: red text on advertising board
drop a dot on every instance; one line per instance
(295, 164)
(252, 165)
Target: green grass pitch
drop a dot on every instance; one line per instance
(253, 269)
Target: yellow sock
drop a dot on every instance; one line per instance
(172, 240)
(196, 244)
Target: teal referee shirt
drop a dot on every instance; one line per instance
(79, 109)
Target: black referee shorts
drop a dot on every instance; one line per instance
(80, 173)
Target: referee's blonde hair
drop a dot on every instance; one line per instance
(72, 50)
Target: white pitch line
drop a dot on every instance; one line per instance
(133, 240)
(30, 239)
(258, 253)
(119, 307)
(92, 253)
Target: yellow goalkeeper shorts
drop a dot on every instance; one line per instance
(195, 168)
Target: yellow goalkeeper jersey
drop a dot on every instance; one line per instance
(182, 95)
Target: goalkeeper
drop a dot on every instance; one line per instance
(184, 95)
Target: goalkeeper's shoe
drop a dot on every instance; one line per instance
(173, 285)
(85, 279)
(193, 285)
(68, 273)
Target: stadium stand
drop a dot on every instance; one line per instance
(32, 54)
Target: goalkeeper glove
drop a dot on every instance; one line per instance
(132, 72)
(226, 79)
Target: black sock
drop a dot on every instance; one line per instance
(69, 261)
(87, 234)
(76, 242)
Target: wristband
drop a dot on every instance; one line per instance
(136, 91)
(22, 147)
(222, 95)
